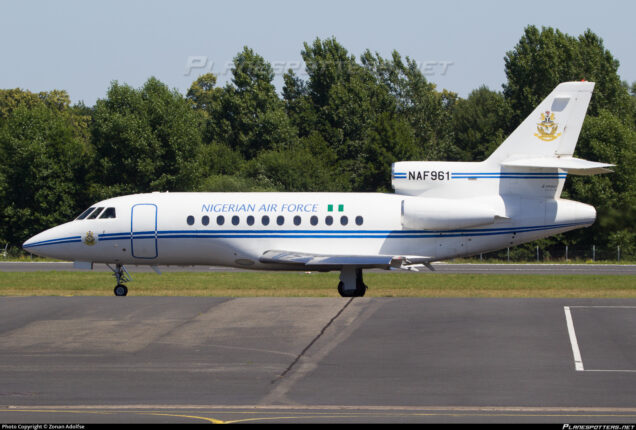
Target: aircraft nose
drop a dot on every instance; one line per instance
(33, 243)
(51, 242)
(27, 243)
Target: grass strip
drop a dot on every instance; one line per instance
(294, 284)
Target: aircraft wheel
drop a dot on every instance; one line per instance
(121, 290)
(358, 292)
(345, 293)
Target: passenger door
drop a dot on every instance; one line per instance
(143, 231)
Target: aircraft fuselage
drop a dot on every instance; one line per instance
(235, 230)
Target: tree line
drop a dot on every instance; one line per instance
(338, 128)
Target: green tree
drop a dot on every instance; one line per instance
(389, 139)
(206, 101)
(146, 139)
(543, 59)
(345, 98)
(427, 111)
(294, 169)
(44, 160)
(605, 137)
(247, 115)
(369, 114)
(479, 123)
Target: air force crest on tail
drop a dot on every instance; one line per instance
(89, 238)
(547, 128)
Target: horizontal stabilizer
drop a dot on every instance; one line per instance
(574, 166)
(322, 261)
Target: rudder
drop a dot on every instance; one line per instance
(552, 129)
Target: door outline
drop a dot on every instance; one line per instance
(143, 236)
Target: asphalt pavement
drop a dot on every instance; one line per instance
(318, 360)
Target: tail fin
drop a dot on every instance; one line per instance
(533, 161)
(552, 129)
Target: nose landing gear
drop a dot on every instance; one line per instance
(121, 275)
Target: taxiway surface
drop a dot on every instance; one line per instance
(160, 359)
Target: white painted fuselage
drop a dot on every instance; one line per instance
(236, 229)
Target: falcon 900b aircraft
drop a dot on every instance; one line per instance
(440, 210)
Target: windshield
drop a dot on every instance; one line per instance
(96, 213)
(85, 213)
(108, 213)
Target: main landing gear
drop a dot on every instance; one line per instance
(351, 284)
(121, 275)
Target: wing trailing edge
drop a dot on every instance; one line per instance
(331, 262)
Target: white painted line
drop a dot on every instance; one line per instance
(605, 307)
(575, 347)
(578, 363)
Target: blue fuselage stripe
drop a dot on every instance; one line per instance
(307, 234)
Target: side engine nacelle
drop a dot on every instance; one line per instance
(445, 214)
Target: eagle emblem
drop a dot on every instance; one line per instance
(89, 239)
(547, 128)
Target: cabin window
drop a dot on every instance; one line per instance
(329, 220)
(96, 213)
(280, 220)
(297, 220)
(85, 213)
(235, 220)
(108, 213)
(205, 220)
(313, 220)
(190, 220)
(250, 220)
(344, 220)
(359, 220)
(220, 220)
(265, 220)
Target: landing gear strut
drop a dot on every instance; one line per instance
(121, 275)
(351, 284)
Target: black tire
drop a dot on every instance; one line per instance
(344, 293)
(121, 290)
(360, 290)
(361, 287)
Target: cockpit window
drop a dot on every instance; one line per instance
(85, 213)
(108, 213)
(96, 213)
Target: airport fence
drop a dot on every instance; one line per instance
(558, 254)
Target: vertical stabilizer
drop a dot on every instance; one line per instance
(552, 129)
(533, 161)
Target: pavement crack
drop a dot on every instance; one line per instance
(297, 359)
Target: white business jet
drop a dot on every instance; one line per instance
(440, 210)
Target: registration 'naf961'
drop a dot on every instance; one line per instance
(422, 171)
(431, 175)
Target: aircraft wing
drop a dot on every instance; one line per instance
(332, 262)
